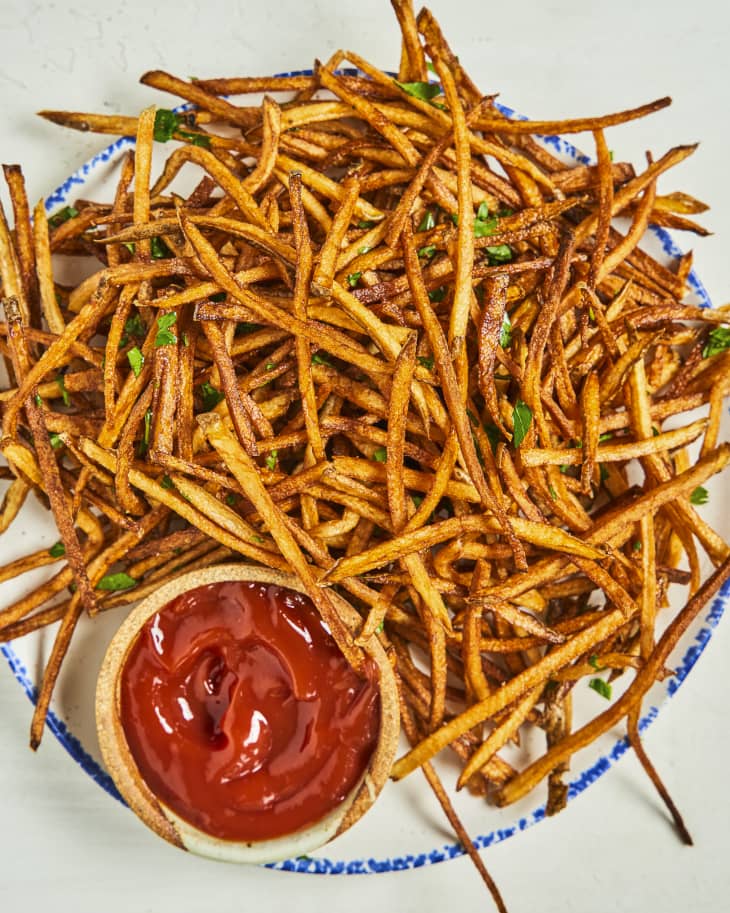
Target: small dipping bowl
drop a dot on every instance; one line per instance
(152, 777)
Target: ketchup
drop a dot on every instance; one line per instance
(241, 712)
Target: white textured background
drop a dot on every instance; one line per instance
(64, 845)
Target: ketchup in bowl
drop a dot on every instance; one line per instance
(241, 713)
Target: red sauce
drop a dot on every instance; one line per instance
(242, 714)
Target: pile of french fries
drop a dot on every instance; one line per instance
(392, 344)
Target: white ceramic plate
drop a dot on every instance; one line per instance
(406, 828)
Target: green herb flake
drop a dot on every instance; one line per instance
(521, 421)
(63, 215)
(380, 455)
(185, 340)
(593, 661)
(380, 628)
(145, 442)
(166, 482)
(417, 500)
(159, 250)
(321, 359)
(636, 546)
(57, 551)
(699, 496)
(365, 224)
(353, 279)
(553, 493)
(245, 328)
(364, 250)
(130, 245)
(220, 296)
(606, 436)
(494, 436)
(438, 294)
(38, 400)
(258, 539)
(501, 253)
(484, 224)
(197, 139)
(427, 222)
(600, 687)
(135, 327)
(136, 360)
(270, 365)
(55, 440)
(718, 341)
(271, 460)
(423, 90)
(60, 380)
(231, 500)
(211, 396)
(430, 67)
(427, 363)
(505, 336)
(428, 251)
(603, 472)
(166, 123)
(113, 582)
(165, 336)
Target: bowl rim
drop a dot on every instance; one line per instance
(167, 823)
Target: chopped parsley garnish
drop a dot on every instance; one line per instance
(321, 359)
(247, 327)
(593, 661)
(38, 400)
(133, 327)
(166, 482)
(63, 215)
(505, 336)
(271, 460)
(211, 396)
(136, 360)
(484, 224)
(428, 251)
(636, 546)
(427, 222)
(380, 628)
(426, 362)
(166, 123)
(57, 551)
(258, 539)
(502, 253)
(218, 297)
(145, 442)
(553, 493)
(112, 582)
(521, 421)
(353, 279)
(64, 392)
(718, 341)
(423, 90)
(699, 496)
(366, 223)
(231, 500)
(380, 455)
(159, 250)
(165, 336)
(417, 500)
(494, 436)
(600, 687)
(55, 440)
(438, 294)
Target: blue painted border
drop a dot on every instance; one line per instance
(326, 866)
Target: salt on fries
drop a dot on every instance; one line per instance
(391, 342)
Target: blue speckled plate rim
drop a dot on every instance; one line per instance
(326, 866)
